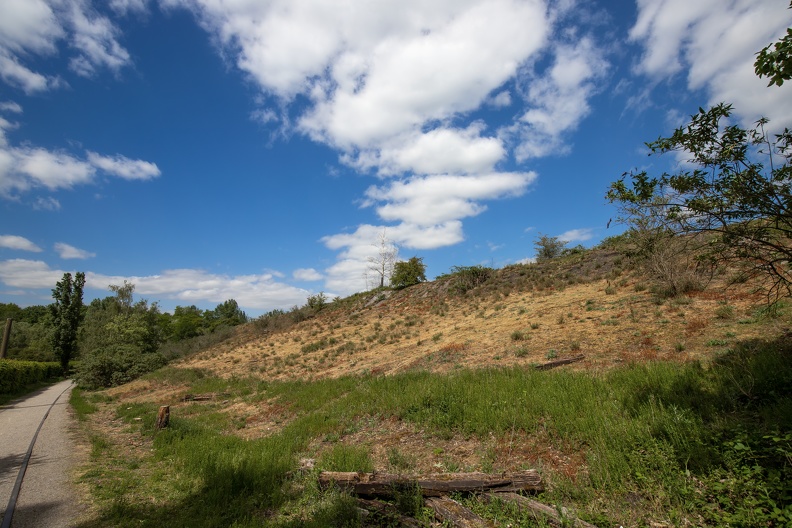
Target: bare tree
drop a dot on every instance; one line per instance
(381, 264)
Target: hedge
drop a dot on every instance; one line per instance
(15, 375)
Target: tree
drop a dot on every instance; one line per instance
(775, 60)
(67, 314)
(737, 193)
(382, 263)
(548, 247)
(229, 313)
(120, 339)
(408, 272)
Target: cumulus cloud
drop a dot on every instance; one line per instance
(187, 286)
(714, 43)
(70, 252)
(393, 87)
(436, 199)
(577, 235)
(19, 243)
(558, 100)
(37, 28)
(25, 168)
(124, 167)
(307, 274)
(10, 106)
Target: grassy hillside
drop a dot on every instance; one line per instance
(680, 414)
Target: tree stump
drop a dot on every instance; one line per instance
(163, 417)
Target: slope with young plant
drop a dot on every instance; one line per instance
(678, 415)
(589, 303)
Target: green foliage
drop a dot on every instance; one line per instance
(408, 273)
(317, 302)
(227, 313)
(67, 315)
(742, 206)
(120, 339)
(710, 444)
(16, 375)
(465, 278)
(115, 364)
(548, 247)
(775, 60)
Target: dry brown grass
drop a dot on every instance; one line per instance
(425, 327)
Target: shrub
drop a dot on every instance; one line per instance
(16, 375)
(468, 277)
(116, 365)
(408, 273)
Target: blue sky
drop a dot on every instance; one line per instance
(257, 150)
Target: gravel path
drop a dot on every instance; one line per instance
(47, 497)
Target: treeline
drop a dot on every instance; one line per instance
(118, 338)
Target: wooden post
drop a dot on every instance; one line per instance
(6, 338)
(163, 417)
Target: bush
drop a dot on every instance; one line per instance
(116, 365)
(16, 375)
(468, 277)
(408, 273)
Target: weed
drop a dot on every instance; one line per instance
(518, 336)
(724, 311)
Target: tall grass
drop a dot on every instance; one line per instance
(672, 434)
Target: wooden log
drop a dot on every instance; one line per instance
(387, 512)
(163, 417)
(450, 511)
(383, 484)
(558, 362)
(552, 515)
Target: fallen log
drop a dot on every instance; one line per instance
(552, 515)
(383, 484)
(450, 511)
(558, 362)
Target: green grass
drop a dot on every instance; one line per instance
(661, 442)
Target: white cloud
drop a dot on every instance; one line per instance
(35, 28)
(124, 167)
(23, 273)
(28, 26)
(18, 242)
(349, 274)
(461, 151)
(70, 252)
(126, 6)
(558, 101)
(307, 274)
(577, 235)
(189, 286)
(47, 204)
(393, 85)
(15, 74)
(94, 37)
(715, 42)
(10, 106)
(436, 199)
(26, 168)
(501, 99)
